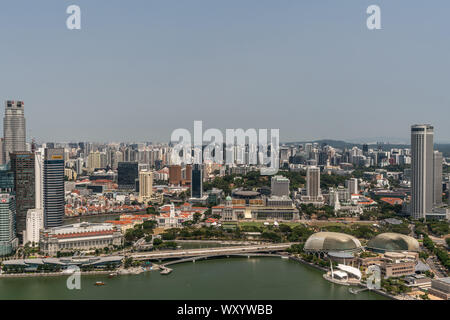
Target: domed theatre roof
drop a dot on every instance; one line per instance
(393, 242)
(332, 241)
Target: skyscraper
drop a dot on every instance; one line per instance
(313, 183)
(421, 170)
(127, 174)
(14, 133)
(353, 186)
(145, 185)
(437, 178)
(22, 164)
(197, 181)
(53, 187)
(39, 178)
(8, 239)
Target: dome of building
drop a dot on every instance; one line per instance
(393, 242)
(332, 241)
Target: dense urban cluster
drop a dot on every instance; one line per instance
(341, 205)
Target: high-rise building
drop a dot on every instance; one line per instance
(313, 183)
(422, 170)
(23, 164)
(197, 181)
(34, 223)
(94, 161)
(2, 151)
(8, 239)
(437, 178)
(53, 187)
(145, 185)
(175, 174)
(127, 174)
(279, 186)
(39, 178)
(6, 179)
(14, 133)
(353, 186)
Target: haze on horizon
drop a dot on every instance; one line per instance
(138, 70)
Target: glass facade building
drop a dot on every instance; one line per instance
(8, 240)
(53, 189)
(127, 174)
(197, 181)
(22, 165)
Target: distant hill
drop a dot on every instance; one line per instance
(339, 144)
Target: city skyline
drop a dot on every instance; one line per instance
(233, 65)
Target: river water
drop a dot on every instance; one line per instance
(233, 278)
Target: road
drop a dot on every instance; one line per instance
(435, 267)
(209, 251)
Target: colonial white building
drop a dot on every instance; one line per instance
(79, 236)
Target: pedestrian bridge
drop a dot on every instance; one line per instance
(210, 252)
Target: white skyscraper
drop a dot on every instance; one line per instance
(34, 222)
(38, 172)
(14, 133)
(353, 186)
(421, 170)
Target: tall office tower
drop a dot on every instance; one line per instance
(438, 160)
(79, 166)
(127, 174)
(23, 166)
(145, 185)
(2, 152)
(365, 149)
(175, 174)
(313, 182)
(197, 181)
(53, 187)
(279, 186)
(8, 239)
(422, 170)
(39, 178)
(35, 222)
(353, 186)
(14, 132)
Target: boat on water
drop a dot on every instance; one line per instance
(99, 283)
(166, 271)
(112, 275)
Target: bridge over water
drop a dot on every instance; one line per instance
(210, 252)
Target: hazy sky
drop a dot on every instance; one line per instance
(137, 70)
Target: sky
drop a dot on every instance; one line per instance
(139, 69)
